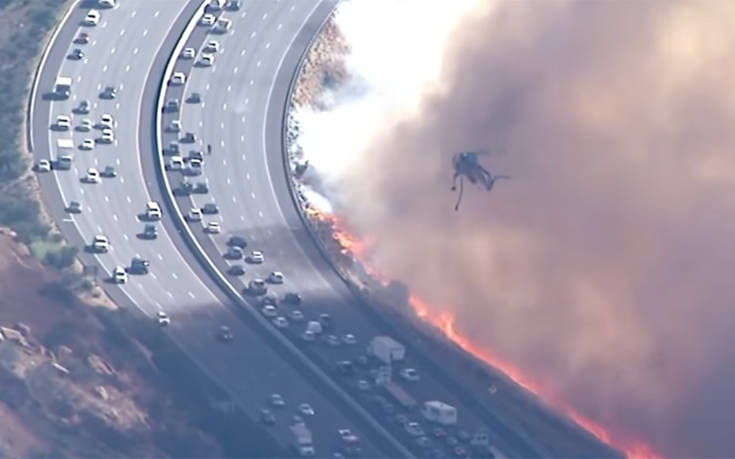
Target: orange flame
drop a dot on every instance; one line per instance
(444, 321)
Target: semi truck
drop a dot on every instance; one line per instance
(62, 88)
(386, 349)
(439, 412)
(301, 440)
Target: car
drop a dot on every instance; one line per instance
(296, 419)
(225, 334)
(107, 136)
(207, 19)
(153, 211)
(410, 374)
(188, 53)
(362, 384)
(200, 188)
(210, 208)
(109, 172)
(196, 154)
(308, 336)
(119, 276)
(223, 26)
(233, 5)
(255, 257)
(172, 105)
(74, 207)
(276, 277)
(172, 148)
(401, 419)
(43, 165)
(83, 107)
(150, 231)
(237, 241)
(100, 244)
(108, 93)
(214, 5)
(92, 18)
(188, 137)
(194, 167)
(93, 176)
(206, 60)
(306, 409)
(236, 270)
(63, 123)
(194, 215)
(76, 54)
(464, 436)
(292, 298)
(212, 228)
(212, 46)
(178, 79)
(423, 442)
(194, 98)
(332, 340)
(326, 320)
(107, 121)
(162, 318)
(233, 253)
(345, 368)
(414, 429)
(267, 417)
(277, 400)
(87, 144)
(82, 38)
(106, 3)
(438, 432)
(269, 300)
(296, 315)
(349, 338)
(345, 434)
(363, 361)
(174, 126)
(85, 125)
(280, 322)
(139, 266)
(257, 287)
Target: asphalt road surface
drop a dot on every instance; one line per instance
(122, 50)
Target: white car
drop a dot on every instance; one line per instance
(178, 79)
(208, 19)
(188, 53)
(107, 136)
(409, 374)
(269, 311)
(43, 165)
(296, 315)
(153, 210)
(194, 215)
(163, 318)
(119, 275)
(100, 244)
(280, 322)
(306, 409)
(87, 144)
(85, 125)
(275, 277)
(92, 18)
(63, 123)
(212, 228)
(256, 256)
(93, 175)
(174, 126)
(308, 336)
(207, 60)
(212, 47)
(349, 338)
(223, 25)
(107, 121)
(106, 3)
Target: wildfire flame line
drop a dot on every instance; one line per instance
(444, 321)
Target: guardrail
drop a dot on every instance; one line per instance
(199, 252)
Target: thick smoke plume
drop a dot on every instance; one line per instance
(604, 268)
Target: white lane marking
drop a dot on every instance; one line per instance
(174, 275)
(222, 125)
(74, 97)
(128, 199)
(117, 107)
(224, 162)
(207, 87)
(244, 13)
(112, 51)
(234, 199)
(203, 104)
(122, 180)
(280, 26)
(260, 213)
(243, 156)
(242, 217)
(201, 123)
(265, 15)
(153, 275)
(252, 195)
(125, 236)
(224, 106)
(242, 53)
(242, 138)
(292, 7)
(122, 32)
(135, 51)
(229, 87)
(169, 294)
(252, 34)
(121, 87)
(79, 78)
(145, 32)
(267, 45)
(104, 24)
(114, 217)
(247, 175)
(243, 118)
(117, 161)
(191, 294)
(221, 143)
(104, 68)
(229, 181)
(235, 70)
(160, 257)
(155, 15)
(257, 64)
(136, 12)
(127, 68)
(247, 99)
(107, 199)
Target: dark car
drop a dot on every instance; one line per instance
(150, 231)
(237, 241)
(233, 5)
(74, 207)
(345, 368)
(363, 361)
(196, 154)
(82, 38)
(76, 54)
(236, 270)
(172, 105)
(292, 298)
(139, 266)
(194, 98)
(108, 93)
(172, 149)
(464, 436)
(200, 188)
(225, 334)
(267, 417)
(326, 320)
(188, 137)
(210, 208)
(109, 172)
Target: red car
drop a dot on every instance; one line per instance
(82, 38)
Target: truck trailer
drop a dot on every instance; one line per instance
(301, 440)
(386, 349)
(62, 88)
(439, 412)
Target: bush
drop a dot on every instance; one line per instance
(60, 258)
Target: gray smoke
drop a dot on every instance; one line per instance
(604, 268)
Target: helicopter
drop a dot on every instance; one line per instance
(467, 164)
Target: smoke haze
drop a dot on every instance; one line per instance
(603, 268)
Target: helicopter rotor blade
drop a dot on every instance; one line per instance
(461, 191)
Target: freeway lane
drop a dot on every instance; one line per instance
(122, 49)
(244, 95)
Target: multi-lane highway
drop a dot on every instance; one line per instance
(128, 46)
(244, 96)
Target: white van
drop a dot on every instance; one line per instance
(314, 327)
(175, 163)
(153, 210)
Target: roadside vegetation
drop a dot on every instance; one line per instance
(24, 26)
